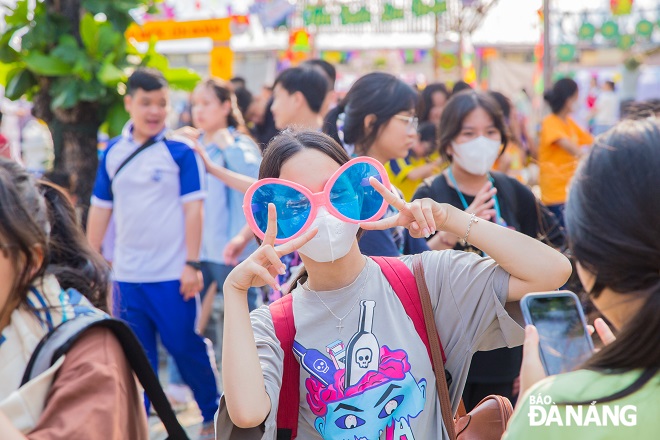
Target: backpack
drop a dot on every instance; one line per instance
(402, 280)
(59, 341)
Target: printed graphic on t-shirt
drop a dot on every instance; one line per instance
(360, 389)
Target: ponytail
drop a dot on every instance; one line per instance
(331, 123)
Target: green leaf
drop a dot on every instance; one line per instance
(19, 14)
(6, 69)
(91, 91)
(126, 5)
(108, 39)
(8, 55)
(68, 50)
(182, 78)
(64, 93)
(44, 32)
(46, 65)
(89, 34)
(156, 61)
(83, 69)
(19, 82)
(116, 119)
(96, 6)
(110, 75)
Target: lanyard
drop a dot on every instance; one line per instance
(499, 219)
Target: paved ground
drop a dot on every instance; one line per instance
(191, 419)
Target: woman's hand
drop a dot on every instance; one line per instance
(193, 135)
(421, 217)
(483, 203)
(234, 249)
(531, 370)
(264, 265)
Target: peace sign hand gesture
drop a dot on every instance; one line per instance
(264, 265)
(421, 217)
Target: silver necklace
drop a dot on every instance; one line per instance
(341, 319)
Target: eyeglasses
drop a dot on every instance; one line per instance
(412, 121)
(348, 195)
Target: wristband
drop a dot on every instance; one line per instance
(194, 264)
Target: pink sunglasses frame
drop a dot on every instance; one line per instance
(317, 200)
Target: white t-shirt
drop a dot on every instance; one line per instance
(147, 198)
(389, 391)
(607, 108)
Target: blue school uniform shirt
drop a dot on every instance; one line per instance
(147, 198)
(223, 208)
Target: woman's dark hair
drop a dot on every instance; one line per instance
(428, 133)
(425, 103)
(507, 106)
(23, 229)
(377, 93)
(73, 262)
(561, 91)
(612, 216)
(244, 99)
(504, 103)
(225, 92)
(289, 142)
(460, 86)
(458, 108)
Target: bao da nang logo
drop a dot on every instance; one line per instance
(544, 412)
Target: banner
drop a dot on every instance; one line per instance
(621, 7)
(217, 29)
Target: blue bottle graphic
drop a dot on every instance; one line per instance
(315, 363)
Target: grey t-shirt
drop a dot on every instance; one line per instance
(372, 379)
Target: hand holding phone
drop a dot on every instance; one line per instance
(564, 341)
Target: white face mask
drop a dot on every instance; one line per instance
(476, 156)
(333, 240)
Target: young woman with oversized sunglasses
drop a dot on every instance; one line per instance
(364, 375)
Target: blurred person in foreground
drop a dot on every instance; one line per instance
(612, 225)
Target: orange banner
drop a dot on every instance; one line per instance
(221, 63)
(216, 29)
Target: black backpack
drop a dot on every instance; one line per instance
(59, 340)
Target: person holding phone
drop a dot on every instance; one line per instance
(612, 224)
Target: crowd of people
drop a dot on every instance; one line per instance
(277, 208)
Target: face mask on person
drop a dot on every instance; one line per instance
(333, 239)
(476, 156)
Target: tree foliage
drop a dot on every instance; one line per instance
(84, 59)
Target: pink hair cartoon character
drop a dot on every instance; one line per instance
(368, 403)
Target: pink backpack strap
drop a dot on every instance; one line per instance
(402, 280)
(289, 403)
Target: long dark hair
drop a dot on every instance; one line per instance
(425, 103)
(612, 216)
(458, 107)
(377, 93)
(224, 91)
(507, 107)
(73, 262)
(561, 91)
(24, 227)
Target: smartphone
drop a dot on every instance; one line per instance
(565, 342)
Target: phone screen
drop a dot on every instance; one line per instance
(564, 342)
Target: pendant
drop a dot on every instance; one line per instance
(339, 327)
